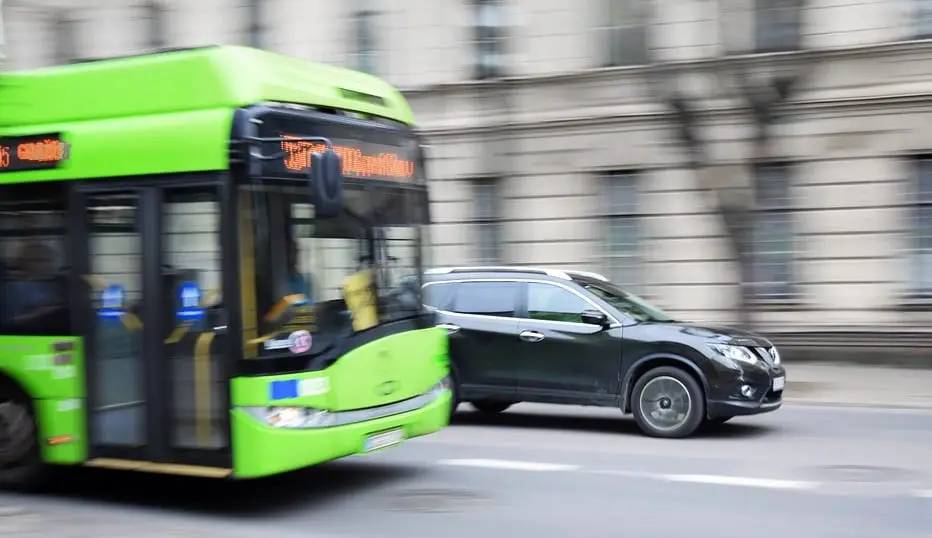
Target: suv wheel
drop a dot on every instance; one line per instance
(668, 402)
(455, 399)
(490, 406)
(21, 466)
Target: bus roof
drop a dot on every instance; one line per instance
(171, 111)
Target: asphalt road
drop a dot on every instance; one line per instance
(545, 472)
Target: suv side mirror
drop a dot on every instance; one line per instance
(595, 317)
(326, 178)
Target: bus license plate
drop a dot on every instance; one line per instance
(383, 440)
(779, 382)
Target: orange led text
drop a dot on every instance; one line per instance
(355, 162)
(43, 151)
(32, 152)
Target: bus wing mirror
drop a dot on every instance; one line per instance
(326, 178)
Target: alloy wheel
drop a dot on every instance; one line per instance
(665, 403)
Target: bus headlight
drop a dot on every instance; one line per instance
(439, 387)
(291, 417)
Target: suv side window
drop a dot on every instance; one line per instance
(487, 298)
(438, 295)
(552, 303)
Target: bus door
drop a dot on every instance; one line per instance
(154, 323)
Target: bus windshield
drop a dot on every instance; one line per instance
(300, 264)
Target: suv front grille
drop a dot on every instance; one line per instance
(773, 396)
(765, 353)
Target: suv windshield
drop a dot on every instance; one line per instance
(628, 303)
(296, 268)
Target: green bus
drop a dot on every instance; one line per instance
(210, 265)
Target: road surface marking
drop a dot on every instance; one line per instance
(511, 464)
(770, 483)
(716, 480)
(627, 474)
(719, 480)
(515, 465)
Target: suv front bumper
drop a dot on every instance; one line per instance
(751, 391)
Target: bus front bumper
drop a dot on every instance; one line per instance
(260, 450)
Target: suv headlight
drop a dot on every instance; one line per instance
(774, 354)
(291, 417)
(735, 353)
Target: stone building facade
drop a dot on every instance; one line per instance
(549, 145)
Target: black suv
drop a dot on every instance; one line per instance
(520, 334)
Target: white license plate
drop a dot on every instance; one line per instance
(383, 440)
(779, 382)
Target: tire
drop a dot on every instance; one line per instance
(490, 407)
(659, 394)
(21, 466)
(455, 392)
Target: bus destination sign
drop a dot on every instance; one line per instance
(33, 152)
(367, 152)
(357, 161)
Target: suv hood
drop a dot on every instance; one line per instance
(723, 335)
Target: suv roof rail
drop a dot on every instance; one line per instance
(588, 274)
(556, 273)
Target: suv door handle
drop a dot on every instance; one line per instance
(451, 329)
(531, 336)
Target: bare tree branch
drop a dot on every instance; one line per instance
(762, 100)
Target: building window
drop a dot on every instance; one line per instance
(364, 40)
(625, 33)
(778, 25)
(489, 35)
(923, 227)
(156, 28)
(65, 39)
(487, 222)
(923, 19)
(622, 252)
(773, 239)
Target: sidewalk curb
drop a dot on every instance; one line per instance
(857, 405)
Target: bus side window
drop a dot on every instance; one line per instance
(33, 290)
